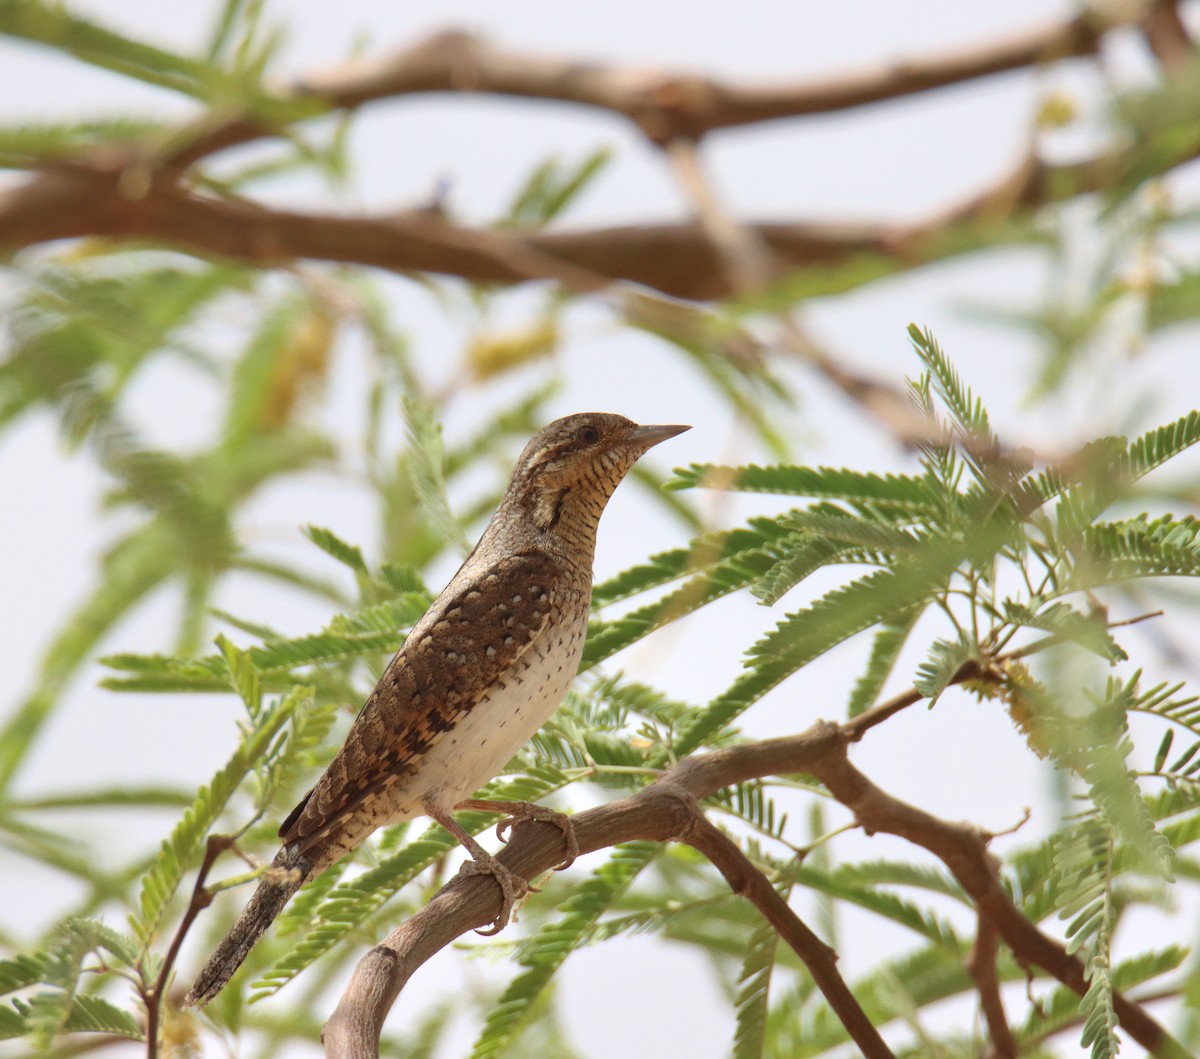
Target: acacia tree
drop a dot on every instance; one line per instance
(1015, 574)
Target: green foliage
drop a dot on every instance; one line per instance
(257, 750)
(966, 571)
(550, 946)
(552, 187)
(753, 995)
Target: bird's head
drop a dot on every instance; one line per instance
(572, 466)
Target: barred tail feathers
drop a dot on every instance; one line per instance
(274, 891)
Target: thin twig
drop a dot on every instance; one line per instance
(981, 966)
(988, 669)
(201, 898)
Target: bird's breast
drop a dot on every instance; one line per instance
(508, 712)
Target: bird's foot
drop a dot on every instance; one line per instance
(518, 812)
(512, 888)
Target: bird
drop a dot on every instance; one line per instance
(478, 675)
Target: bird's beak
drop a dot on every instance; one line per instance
(652, 435)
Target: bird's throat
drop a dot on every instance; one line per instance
(550, 506)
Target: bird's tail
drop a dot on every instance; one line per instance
(285, 877)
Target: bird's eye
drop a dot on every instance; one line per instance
(588, 435)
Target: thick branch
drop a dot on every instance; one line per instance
(1163, 27)
(963, 849)
(113, 197)
(665, 811)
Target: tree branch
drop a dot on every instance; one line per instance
(747, 881)
(664, 106)
(981, 966)
(963, 849)
(112, 194)
(666, 811)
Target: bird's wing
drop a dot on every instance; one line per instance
(434, 678)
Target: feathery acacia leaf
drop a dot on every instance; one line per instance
(427, 467)
(885, 649)
(946, 658)
(1139, 547)
(1156, 447)
(1068, 624)
(162, 880)
(21, 971)
(965, 408)
(56, 27)
(330, 543)
(754, 984)
(553, 943)
(800, 554)
(907, 494)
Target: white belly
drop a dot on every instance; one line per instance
(487, 737)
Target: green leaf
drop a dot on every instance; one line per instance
(885, 649)
(330, 543)
(12, 1023)
(799, 555)
(546, 951)
(552, 187)
(754, 983)
(95, 935)
(965, 408)
(747, 545)
(360, 633)
(130, 573)
(21, 971)
(714, 581)
(1068, 624)
(242, 674)
(1156, 447)
(946, 658)
(1138, 547)
(93, 1014)
(182, 847)
(284, 356)
(56, 27)
(870, 534)
(1164, 749)
(427, 468)
(902, 493)
(851, 608)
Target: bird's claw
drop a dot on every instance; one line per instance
(512, 889)
(542, 813)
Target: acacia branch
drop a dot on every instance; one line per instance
(963, 849)
(1166, 34)
(153, 996)
(667, 811)
(113, 195)
(663, 105)
(981, 966)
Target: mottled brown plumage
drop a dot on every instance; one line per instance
(483, 669)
